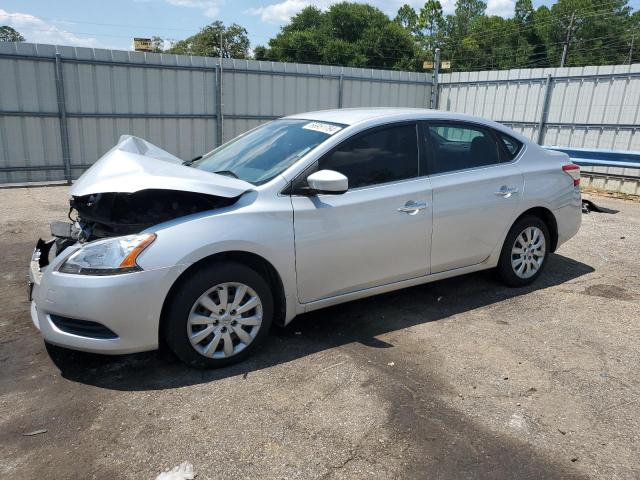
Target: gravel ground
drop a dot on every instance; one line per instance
(462, 378)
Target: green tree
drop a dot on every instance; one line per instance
(308, 18)
(350, 34)
(349, 21)
(298, 41)
(235, 42)
(544, 52)
(458, 46)
(389, 47)
(408, 19)
(634, 38)
(531, 50)
(9, 34)
(601, 32)
(157, 44)
(467, 11)
(431, 23)
(523, 14)
(598, 31)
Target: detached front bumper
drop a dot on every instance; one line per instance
(112, 314)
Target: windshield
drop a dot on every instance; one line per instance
(266, 151)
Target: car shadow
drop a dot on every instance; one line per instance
(358, 321)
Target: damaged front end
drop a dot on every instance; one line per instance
(113, 214)
(134, 186)
(116, 214)
(85, 283)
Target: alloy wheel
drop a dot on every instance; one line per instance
(528, 252)
(224, 320)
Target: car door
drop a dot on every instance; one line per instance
(476, 189)
(376, 233)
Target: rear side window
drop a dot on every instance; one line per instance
(512, 146)
(460, 146)
(382, 155)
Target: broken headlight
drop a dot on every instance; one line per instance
(108, 257)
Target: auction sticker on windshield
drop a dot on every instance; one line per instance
(323, 127)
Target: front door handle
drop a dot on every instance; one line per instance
(506, 191)
(411, 207)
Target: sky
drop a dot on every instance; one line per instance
(114, 23)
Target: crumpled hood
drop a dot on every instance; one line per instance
(135, 164)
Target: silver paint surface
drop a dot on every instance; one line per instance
(327, 249)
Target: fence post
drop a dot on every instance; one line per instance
(434, 81)
(545, 109)
(340, 89)
(219, 114)
(62, 119)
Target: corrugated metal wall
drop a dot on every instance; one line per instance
(586, 107)
(61, 108)
(75, 107)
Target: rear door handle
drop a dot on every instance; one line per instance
(505, 191)
(411, 207)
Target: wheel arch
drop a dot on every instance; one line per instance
(548, 218)
(251, 260)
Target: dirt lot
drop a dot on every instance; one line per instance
(458, 379)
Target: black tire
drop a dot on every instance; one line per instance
(505, 270)
(175, 323)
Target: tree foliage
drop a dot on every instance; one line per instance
(235, 42)
(351, 34)
(360, 35)
(9, 34)
(408, 19)
(601, 33)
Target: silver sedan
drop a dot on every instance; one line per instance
(304, 212)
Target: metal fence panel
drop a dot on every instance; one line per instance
(605, 99)
(30, 148)
(269, 89)
(57, 115)
(29, 145)
(587, 107)
(61, 107)
(360, 93)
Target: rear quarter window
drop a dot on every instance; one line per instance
(512, 146)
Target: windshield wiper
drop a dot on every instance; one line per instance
(189, 162)
(227, 173)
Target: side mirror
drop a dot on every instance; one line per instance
(328, 181)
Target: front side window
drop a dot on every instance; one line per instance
(263, 153)
(383, 155)
(458, 147)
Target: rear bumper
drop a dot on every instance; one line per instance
(129, 305)
(569, 218)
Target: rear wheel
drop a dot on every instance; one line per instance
(219, 315)
(524, 252)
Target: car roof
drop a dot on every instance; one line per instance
(351, 116)
(354, 116)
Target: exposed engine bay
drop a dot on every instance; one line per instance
(134, 186)
(111, 214)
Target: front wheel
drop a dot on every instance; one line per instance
(218, 315)
(524, 253)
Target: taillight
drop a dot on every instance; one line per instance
(573, 171)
